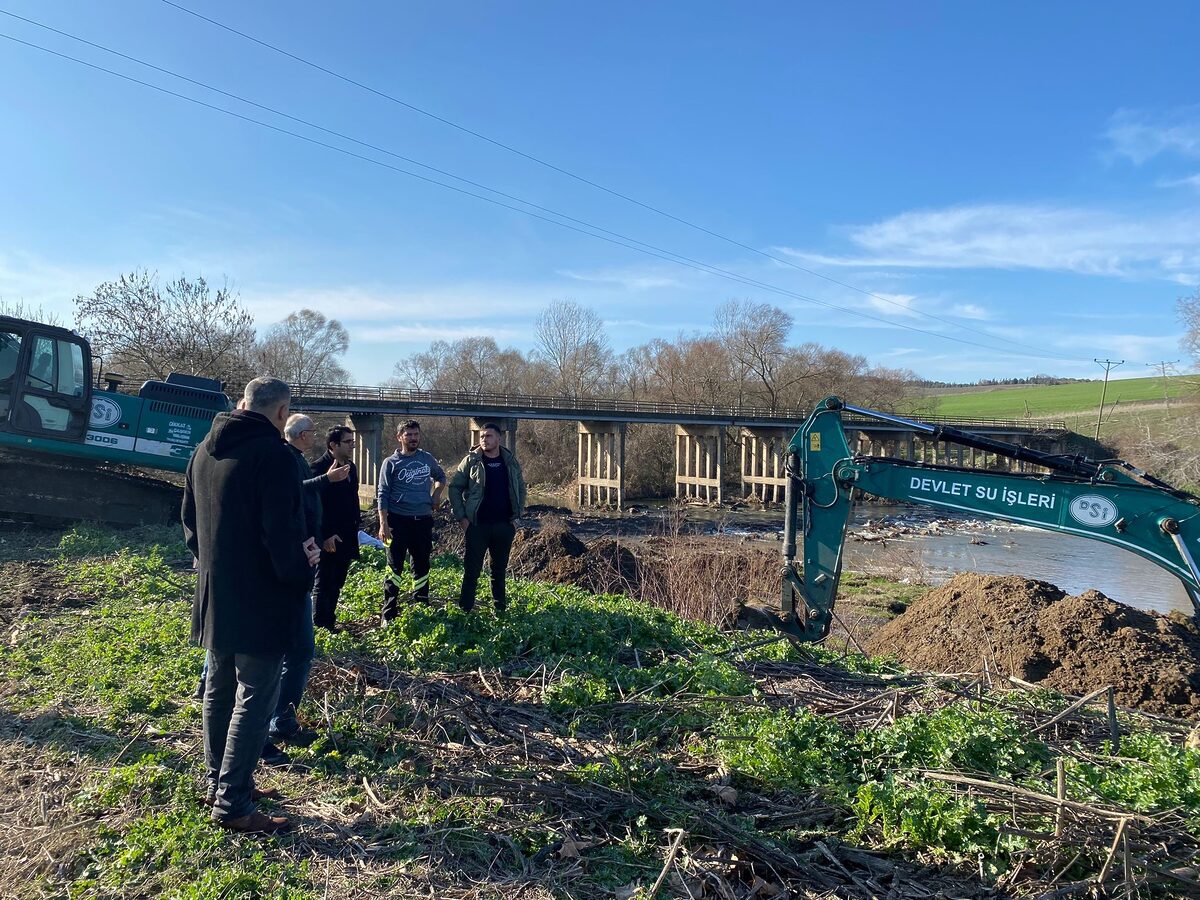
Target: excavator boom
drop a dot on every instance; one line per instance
(1112, 502)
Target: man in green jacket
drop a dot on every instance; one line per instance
(487, 495)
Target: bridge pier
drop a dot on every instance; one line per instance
(368, 451)
(764, 451)
(699, 452)
(600, 465)
(508, 427)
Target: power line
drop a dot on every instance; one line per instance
(597, 232)
(594, 184)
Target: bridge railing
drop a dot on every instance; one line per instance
(466, 400)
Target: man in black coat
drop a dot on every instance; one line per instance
(243, 522)
(339, 502)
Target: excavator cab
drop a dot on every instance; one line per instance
(45, 381)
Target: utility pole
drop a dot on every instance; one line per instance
(1162, 368)
(1108, 364)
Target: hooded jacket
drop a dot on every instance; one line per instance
(467, 485)
(243, 521)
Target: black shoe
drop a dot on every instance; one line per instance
(256, 823)
(332, 629)
(465, 606)
(301, 737)
(501, 605)
(274, 756)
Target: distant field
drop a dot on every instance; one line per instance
(1049, 400)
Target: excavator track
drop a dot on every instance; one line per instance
(59, 491)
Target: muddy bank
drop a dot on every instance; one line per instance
(1035, 631)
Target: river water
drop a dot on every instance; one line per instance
(1072, 563)
(930, 548)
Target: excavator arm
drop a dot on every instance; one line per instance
(1114, 503)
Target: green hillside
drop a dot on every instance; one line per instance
(1053, 399)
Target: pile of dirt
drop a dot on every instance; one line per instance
(555, 554)
(1036, 632)
(605, 567)
(533, 552)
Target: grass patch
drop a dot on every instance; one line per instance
(477, 749)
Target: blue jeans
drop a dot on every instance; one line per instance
(297, 663)
(239, 694)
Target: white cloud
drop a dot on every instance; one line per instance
(376, 303)
(895, 304)
(1189, 181)
(629, 279)
(1141, 135)
(1015, 236)
(1131, 347)
(37, 283)
(426, 333)
(970, 311)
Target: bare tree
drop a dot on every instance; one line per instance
(1189, 313)
(305, 348)
(572, 344)
(19, 309)
(148, 332)
(755, 336)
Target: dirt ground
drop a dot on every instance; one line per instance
(1036, 632)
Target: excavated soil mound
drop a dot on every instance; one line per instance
(555, 554)
(606, 567)
(1036, 632)
(533, 552)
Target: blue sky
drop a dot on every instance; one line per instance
(1023, 176)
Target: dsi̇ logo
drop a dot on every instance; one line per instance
(105, 413)
(1093, 511)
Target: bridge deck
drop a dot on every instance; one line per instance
(406, 402)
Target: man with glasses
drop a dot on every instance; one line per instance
(300, 434)
(339, 501)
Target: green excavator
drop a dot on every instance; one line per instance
(1112, 502)
(67, 444)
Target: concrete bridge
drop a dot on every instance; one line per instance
(763, 436)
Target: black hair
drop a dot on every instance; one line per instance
(493, 426)
(337, 434)
(411, 423)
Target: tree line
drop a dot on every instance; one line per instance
(145, 328)
(746, 358)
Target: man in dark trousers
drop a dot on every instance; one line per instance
(410, 488)
(244, 524)
(487, 494)
(300, 434)
(339, 502)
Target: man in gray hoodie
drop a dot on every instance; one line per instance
(410, 487)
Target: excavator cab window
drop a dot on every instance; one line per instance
(10, 352)
(52, 397)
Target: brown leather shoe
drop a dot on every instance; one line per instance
(256, 823)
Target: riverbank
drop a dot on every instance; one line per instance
(582, 745)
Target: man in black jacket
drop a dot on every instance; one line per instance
(243, 523)
(339, 502)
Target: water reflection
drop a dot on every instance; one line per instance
(1073, 563)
